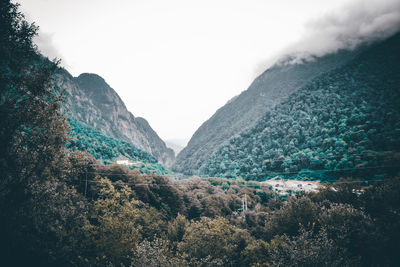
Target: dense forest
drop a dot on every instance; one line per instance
(61, 207)
(107, 150)
(345, 122)
(244, 110)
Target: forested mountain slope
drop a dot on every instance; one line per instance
(62, 208)
(93, 102)
(108, 150)
(342, 123)
(268, 90)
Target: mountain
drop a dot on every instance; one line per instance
(343, 123)
(109, 150)
(241, 112)
(93, 102)
(176, 144)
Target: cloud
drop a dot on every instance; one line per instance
(345, 28)
(46, 46)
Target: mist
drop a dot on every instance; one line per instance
(361, 22)
(46, 46)
(195, 56)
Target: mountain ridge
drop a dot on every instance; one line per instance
(244, 110)
(344, 122)
(93, 102)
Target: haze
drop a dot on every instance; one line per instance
(176, 62)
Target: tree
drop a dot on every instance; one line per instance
(307, 249)
(214, 241)
(155, 253)
(32, 134)
(176, 229)
(33, 131)
(112, 232)
(298, 211)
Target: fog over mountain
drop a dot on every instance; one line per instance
(347, 27)
(343, 122)
(300, 169)
(176, 144)
(328, 43)
(186, 64)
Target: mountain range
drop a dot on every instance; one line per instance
(308, 118)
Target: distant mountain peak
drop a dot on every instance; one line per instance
(91, 76)
(93, 102)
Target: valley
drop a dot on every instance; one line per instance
(300, 169)
(334, 117)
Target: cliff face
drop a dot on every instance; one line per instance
(93, 102)
(244, 110)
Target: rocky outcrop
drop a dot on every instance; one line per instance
(93, 102)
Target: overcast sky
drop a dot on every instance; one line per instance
(175, 62)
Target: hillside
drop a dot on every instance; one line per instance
(61, 207)
(268, 90)
(345, 122)
(107, 150)
(93, 102)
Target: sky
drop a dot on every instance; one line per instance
(175, 62)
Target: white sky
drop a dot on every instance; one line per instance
(173, 62)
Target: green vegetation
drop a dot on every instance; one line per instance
(344, 123)
(63, 208)
(108, 150)
(242, 112)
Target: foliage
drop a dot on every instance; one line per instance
(107, 149)
(120, 217)
(297, 212)
(244, 110)
(343, 123)
(155, 253)
(33, 130)
(32, 139)
(116, 212)
(307, 249)
(213, 238)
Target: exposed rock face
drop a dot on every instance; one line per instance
(241, 112)
(93, 102)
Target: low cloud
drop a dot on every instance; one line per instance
(46, 46)
(345, 28)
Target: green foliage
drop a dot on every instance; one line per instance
(34, 224)
(296, 213)
(155, 253)
(307, 249)
(176, 229)
(215, 240)
(32, 129)
(120, 217)
(344, 123)
(107, 149)
(54, 230)
(243, 111)
(116, 212)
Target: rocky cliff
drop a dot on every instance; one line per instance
(93, 102)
